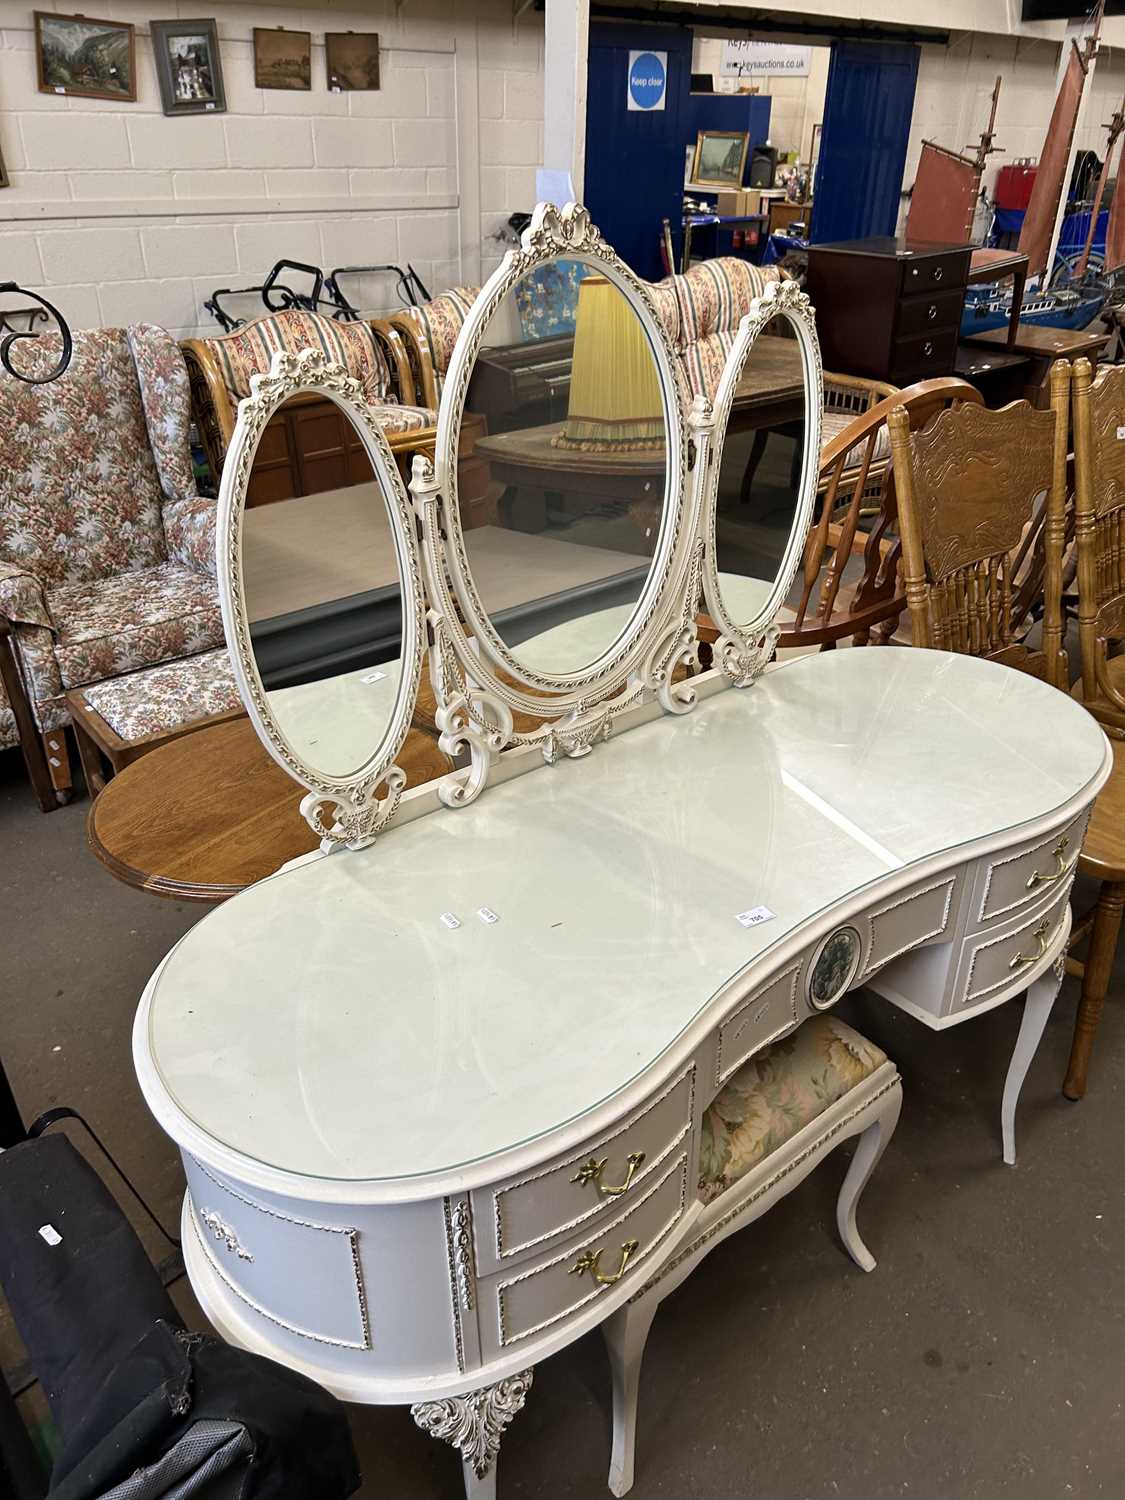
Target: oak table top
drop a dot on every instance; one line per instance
(201, 818)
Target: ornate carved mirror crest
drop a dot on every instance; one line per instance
(322, 596)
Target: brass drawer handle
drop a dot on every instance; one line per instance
(1022, 960)
(1058, 853)
(927, 348)
(593, 1169)
(938, 273)
(589, 1262)
(932, 311)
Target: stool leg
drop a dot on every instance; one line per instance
(1095, 983)
(872, 1144)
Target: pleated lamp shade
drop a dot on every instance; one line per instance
(614, 404)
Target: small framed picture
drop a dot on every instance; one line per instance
(84, 58)
(720, 158)
(282, 59)
(188, 67)
(353, 59)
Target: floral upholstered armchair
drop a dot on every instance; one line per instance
(220, 370)
(106, 549)
(429, 333)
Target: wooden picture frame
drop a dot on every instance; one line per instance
(189, 68)
(85, 58)
(352, 59)
(723, 165)
(282, 58)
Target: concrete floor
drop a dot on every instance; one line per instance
(985, 1356)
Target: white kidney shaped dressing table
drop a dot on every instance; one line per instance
(439, 1096)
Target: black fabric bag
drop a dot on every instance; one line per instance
(142, 1408)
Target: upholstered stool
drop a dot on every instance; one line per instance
(773, 1120)
(125, 717)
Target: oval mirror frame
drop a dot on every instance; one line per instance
(743, 648)
(552, 235)
(356, 809)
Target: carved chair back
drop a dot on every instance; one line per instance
(974, 487)
(857, 512)
(1099, 513)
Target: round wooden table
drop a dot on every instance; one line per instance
(202, 818)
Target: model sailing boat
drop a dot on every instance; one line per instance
(946, 189)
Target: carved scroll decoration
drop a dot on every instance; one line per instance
(474, 1423)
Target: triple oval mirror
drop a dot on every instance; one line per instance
(623, 479)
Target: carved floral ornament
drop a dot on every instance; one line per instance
(481, 689)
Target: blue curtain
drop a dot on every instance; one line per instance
(867, 111)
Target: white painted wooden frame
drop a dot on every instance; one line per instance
(357, 810)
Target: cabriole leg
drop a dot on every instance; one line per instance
(473, 1424)
(1036, 1009)
(872, 1144)
(626, 1334)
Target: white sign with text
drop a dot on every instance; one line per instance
(740, 59)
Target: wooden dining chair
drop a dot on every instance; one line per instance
(1099, 525)
(972, 487)
(971, 498)
(857, 512)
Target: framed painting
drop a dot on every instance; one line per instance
(720, 158)
(85, 58)
(282, 59)
(353, 59)
(188, 67)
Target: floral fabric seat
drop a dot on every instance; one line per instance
(106, 549)
(9, 737)
(166, 698)
(776, 1094)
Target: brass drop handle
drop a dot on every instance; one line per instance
(1058, 853)
(932, 311)
(1022, 960)
(593, 1169)
(589, 1262)
(928, 348)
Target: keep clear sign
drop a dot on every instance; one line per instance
(740, 59)
(648, 80)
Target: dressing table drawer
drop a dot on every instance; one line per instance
(514, 1306)
(1015, 880)
(991, 961)
(525, 1214)
(923, 914)
(258, 1249)
(767, 1013)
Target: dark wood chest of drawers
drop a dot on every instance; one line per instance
(885, 311)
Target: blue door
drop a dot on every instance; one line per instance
(868, 107)
(635, 157)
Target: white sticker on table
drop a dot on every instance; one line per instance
(486, 914)
(450, 920)
(755, 916)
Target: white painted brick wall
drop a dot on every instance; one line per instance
(120, 214)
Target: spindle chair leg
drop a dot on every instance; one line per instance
(1095, 983)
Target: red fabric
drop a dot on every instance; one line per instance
(1039, 221)
(941, 205)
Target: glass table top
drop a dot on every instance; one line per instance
(329, 1021)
